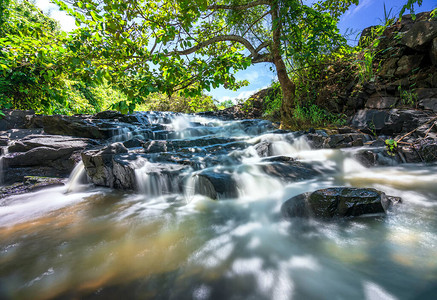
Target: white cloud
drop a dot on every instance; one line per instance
(67, 22)
(45, 5)
(352, 11)
(249, 76)
(242, 96)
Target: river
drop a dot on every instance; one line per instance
(87, 242)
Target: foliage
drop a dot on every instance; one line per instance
(272, 102)
(225, 104)
(391, 146)
(408, 97)
(31, 58)
(168, 46)
(315, 116)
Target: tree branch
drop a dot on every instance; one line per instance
(239, 7)
(262, 58)
(220, 38)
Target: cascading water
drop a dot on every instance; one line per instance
(3, 152)
(170, 240)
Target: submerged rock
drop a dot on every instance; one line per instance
(215, 185)
(338, 202)
(29, 184)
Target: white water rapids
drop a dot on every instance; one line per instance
(82, 241)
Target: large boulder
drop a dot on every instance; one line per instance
(215, 185)
(103, 169)
(389, 122)
(58, 152)
(338, 202)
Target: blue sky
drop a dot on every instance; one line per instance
(367, 13)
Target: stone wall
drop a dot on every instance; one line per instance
(406, 67)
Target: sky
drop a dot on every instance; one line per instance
(367, 13)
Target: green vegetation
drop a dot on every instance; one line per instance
(391, 146)
(163, 55)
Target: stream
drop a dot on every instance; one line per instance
(160, 242)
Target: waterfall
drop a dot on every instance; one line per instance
(3, 153)
(76, 179)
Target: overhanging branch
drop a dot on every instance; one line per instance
(239, 7)
(220, 38)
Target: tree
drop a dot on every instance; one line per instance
(31, 56)
(168, 45)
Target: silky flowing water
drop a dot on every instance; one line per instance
(81, 241)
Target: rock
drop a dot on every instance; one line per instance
(215, 185)
(17, 134)
(134, 143)
(58, 152)
(420, 34)
(389, 67)
(381, 102)
(292, 171)
(425, 93)
(113, 166)
(264, 149)
(104, 169)
(433, 51)
(74, 126)
(29, 184)
(407, 64)
(338, 202)
(119, 117)
(389, 122)
(429, 103)
(15, 119)
(337, 141)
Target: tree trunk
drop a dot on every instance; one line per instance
(287, 86)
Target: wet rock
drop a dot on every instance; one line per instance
(104, 169)
(338, 202)
(29, 184)
(291, 171)
(113, 166)
(337, 141)
(119, 117)
(264, 149)
(134, 143)
(213, 144)
(215, 185)
(424, 151)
